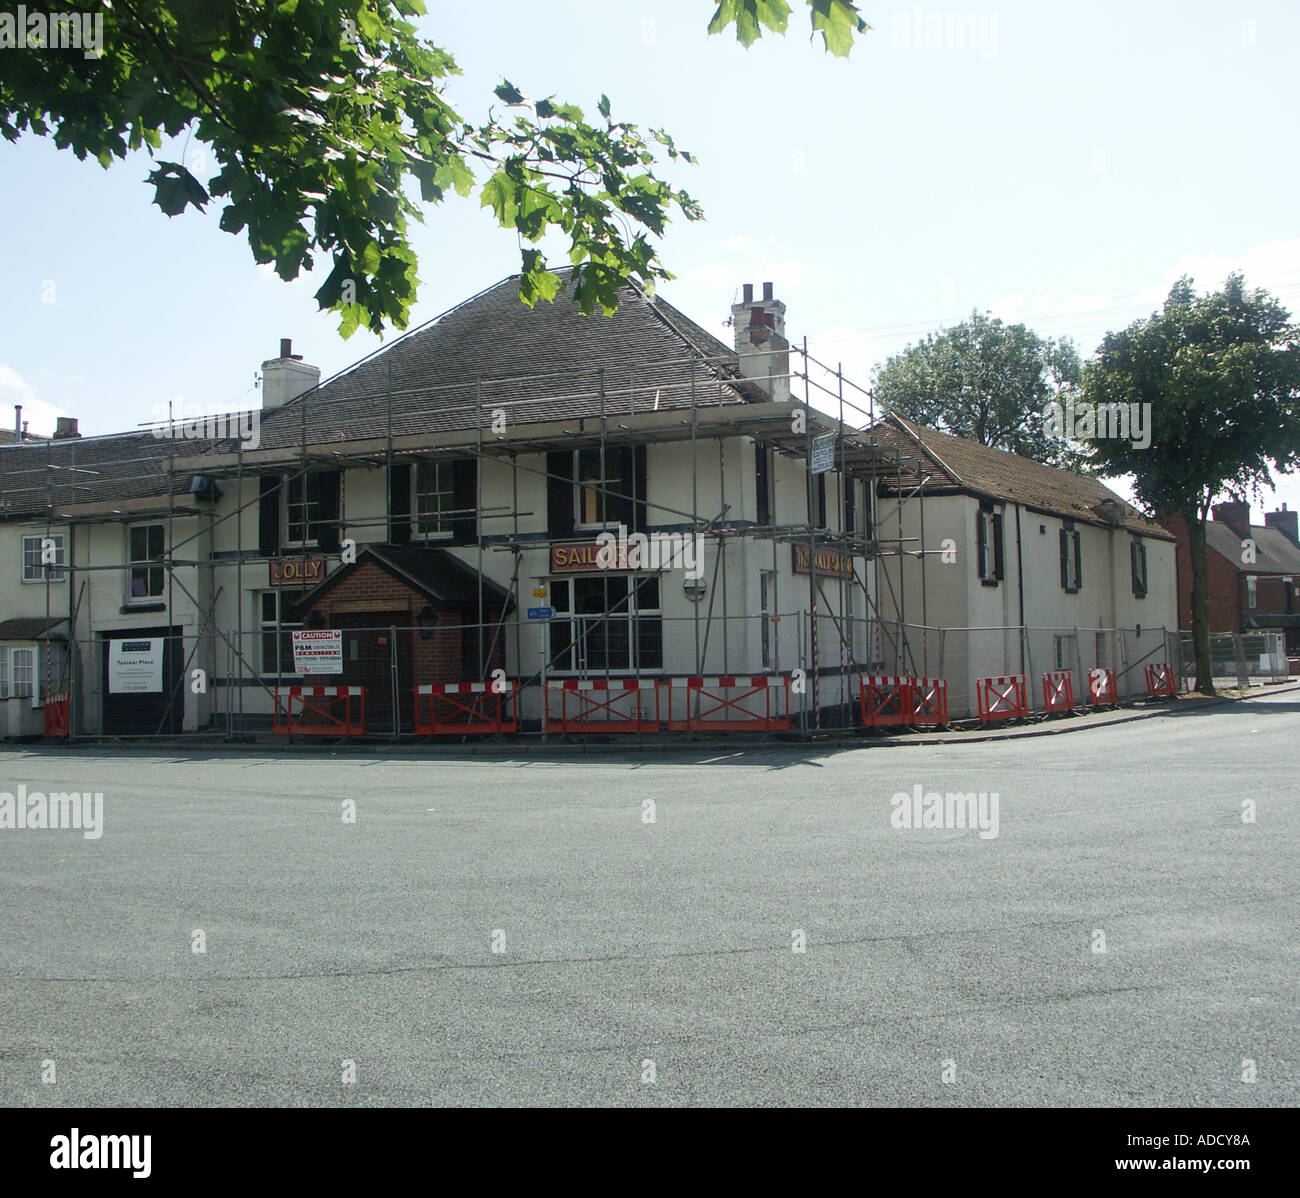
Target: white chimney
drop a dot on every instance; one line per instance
(759, 329)
(286, 377)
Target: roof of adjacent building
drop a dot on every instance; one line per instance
(33, 628)
(36, 475)
(1275, 552)
(956, 465)
(540, 363)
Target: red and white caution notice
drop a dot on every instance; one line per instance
(318, 652)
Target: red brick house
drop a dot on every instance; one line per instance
(1254, 571)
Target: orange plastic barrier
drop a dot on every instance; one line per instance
(1058, 691)
(1160, 680)
(738, 710)
(1102, 690)
(604, 704)
(322, 711)
(930, 701)
(886, 700)
(1002, 698)
(56, 714)
(440, 709)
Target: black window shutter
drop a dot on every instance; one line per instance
(328, 488)
(399, 503)
(979, 543)
(618, 501)
(464, 494)
(559, 493)
(762, 473)
(850, 503)
(821, 501)
(998, 570)
(268, 515)
(1065, 560)
(1077, 537)
(639, 478)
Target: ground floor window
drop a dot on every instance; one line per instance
(606, 624)
(275, 630)
(766, 610)
(1063, 651)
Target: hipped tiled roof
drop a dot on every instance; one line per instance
(540, 363)
(956, 464)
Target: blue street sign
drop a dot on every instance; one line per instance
(540, 613)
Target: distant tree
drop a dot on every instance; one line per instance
(1222, 375)
(988, 382)
(322, 116)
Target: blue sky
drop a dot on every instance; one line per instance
(1062, 170)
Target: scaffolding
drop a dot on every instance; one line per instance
(693, 399)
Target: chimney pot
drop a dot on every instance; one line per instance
(767, 291)
(748, 293)
(286, 347)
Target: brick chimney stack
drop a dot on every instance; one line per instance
(1286, 523)
(759, 330)
(1236, 515)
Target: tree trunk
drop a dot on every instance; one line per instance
(1195, 522)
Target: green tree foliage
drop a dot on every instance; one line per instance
(1222, 375)
(327, 119)
(988, 382)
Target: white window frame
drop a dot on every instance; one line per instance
(307, 505)
(1065, 647)
(988, 567)
(766, 610)
(1073, 559)
(147, 564)
(4, 671)
(41, 574)
(31, 688)
(444, 474)
(1252, 592)
(603, 498)
(279, 627)
(562, 600)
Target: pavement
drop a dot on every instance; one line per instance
(699, 927)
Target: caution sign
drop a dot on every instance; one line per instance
(318, 652)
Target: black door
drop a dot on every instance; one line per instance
(153, 712)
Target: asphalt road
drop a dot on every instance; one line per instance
(930, 953)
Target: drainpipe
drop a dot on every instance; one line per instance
(1020, 590)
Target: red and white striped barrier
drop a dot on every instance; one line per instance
(604, 704)
(1161, 682)
(1058, 690)
(729, 703)
(930, 701)
(440, 710)
(1002, 698)
(1102, 691)
(886, 700)
(321, 711)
